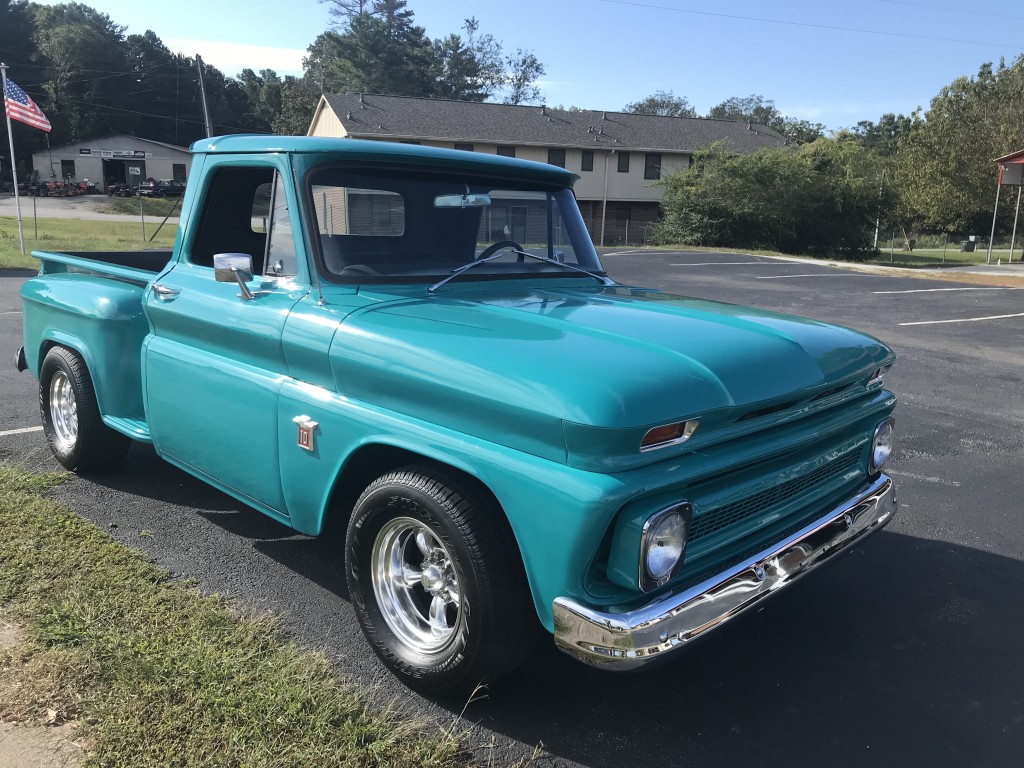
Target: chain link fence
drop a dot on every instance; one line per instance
(625, 233)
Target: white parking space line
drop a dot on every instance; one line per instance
(936, 290)
(627, 253)
(819, 274)
(926, 478)
(12, 312)
(22, 431)
(733, 264)
(964, 319)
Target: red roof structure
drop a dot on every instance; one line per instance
(1014, 158)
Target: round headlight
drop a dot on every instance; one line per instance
(664, 542)
(881, 445)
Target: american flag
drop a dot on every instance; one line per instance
(20, 107)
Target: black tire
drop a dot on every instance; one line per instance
(492, 627)
(71, 418)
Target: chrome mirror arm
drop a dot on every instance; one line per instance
(242, 276)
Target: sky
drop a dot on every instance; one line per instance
(830, 61)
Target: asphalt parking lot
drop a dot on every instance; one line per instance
(908, 651)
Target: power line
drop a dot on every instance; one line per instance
(955, 10)
(108, 108)
(809, 25)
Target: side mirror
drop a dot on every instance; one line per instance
(234, 268)
(227, 265)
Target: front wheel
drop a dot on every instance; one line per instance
(71, 417)
(436, 585)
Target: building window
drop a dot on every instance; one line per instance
(623, 162)
(623, 214)
(506, 151)
(464, 147)
(178, 172)
(67, 169)
(587, 164)
(556, 157)
(652, 165)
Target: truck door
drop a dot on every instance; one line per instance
(214, 362)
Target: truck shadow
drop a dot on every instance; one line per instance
(905, 652)
(144, 474)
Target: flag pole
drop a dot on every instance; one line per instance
(14, 167)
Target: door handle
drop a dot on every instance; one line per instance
(165, 292)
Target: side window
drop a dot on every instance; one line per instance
(235, 214)
(281, 259)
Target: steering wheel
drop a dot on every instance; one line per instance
(492, 249)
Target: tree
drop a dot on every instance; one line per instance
(343, 11)
(381, 54)
(459, 72)
(748, 109)
(263, 94)
(943, 163)
(16, 32)
(76, 41)
(662, 103)
(821, 199)
(299, 96)
(800, 131)
(882, 137)
(523, 70)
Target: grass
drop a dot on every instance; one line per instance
(920, 258)
(934, 257)
(76, 235)
(151, 206)
(161, 675)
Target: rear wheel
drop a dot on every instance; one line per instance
(71, 417)
(438, 588)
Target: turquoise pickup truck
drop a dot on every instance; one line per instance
(421, 347)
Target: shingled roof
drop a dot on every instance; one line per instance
(404, 117)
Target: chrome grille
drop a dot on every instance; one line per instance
(718, 519)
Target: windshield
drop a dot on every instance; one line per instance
(389, 225)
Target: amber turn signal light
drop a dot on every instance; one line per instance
(668, 434)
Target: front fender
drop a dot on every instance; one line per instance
(557, 514)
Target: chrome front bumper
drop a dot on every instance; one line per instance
(623, 641)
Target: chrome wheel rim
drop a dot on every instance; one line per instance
(63, 411)
(416, 586)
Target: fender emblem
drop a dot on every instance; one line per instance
(306, 429)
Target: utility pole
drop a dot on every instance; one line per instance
(202, 95)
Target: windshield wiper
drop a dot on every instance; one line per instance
(498, 254)
(466, 267)
(556, 262)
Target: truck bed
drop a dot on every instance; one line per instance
(134, 266)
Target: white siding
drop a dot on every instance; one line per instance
(327, 124)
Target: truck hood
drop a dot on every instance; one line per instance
(513, 365)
